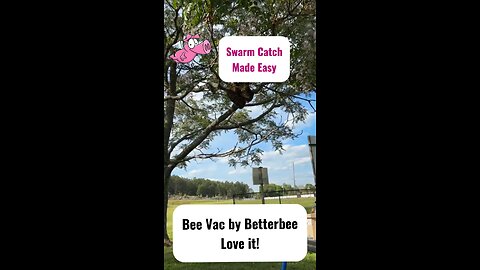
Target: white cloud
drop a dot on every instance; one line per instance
(309, 121)
(303, 160)
(280, 168)
(240, 170)
(196, 95)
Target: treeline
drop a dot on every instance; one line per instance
(273, 189)
(205, 187)
(180, 186)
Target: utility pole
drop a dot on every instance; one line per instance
(261, 186)
(294, 184)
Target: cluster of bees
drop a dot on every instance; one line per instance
(240, 94)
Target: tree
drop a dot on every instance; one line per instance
(271, 189)
(196, 104)
(309, 186)
(206, 188)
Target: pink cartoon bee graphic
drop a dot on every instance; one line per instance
(190, 49)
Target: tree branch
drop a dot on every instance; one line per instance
(233, 151)
(189, 106)
(178, 31)
(186, 137)
(251, 121)
(308, 100)
(204, 134)
(187, 91)
(169, 112)
(265, 101)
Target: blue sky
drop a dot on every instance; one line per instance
(279, 165)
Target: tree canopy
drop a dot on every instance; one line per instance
(205, 187)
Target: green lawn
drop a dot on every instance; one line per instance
(171, 263)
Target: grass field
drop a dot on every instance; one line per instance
(170, 263)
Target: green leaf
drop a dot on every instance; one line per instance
(175, 4)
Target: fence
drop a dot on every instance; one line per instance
(277, 194)
(285, 194)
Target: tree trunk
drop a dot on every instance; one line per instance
(166, 180)
(169, 111)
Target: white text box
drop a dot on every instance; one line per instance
(254, 59)
(240, 233)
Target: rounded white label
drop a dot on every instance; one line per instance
(254, 59)
(240, 233)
